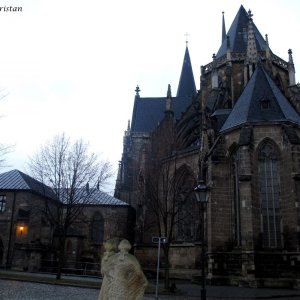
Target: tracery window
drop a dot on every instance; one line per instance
(188, 216)
(269, 197)
(187, 223)
(97, 228)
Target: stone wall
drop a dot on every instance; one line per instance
(184, 259)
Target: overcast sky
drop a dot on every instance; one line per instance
(72, 66)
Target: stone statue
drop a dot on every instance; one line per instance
(123, 278)
(110, 249)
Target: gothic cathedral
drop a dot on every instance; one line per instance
(240, 135)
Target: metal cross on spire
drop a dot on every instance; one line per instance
(186, 38)
(137, 90)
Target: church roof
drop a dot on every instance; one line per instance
(238, 32)
(148, 112)
(101, 198)
(186, 86)
(261, 102)
(17, 180)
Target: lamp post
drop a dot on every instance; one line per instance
(158, 240)
(201, 195)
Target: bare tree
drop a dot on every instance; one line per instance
(4, 150)
(74, 175)
(165, 188)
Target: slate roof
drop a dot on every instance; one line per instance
(186, 86)
(261, 102)
(17, 180)
(238, 35)
(101, 198)
(148, 112)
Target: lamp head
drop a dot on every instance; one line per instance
(201, 192)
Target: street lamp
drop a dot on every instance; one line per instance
(158, 240)
(201, 192)
(201, 195)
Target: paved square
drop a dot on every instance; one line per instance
(20, 290)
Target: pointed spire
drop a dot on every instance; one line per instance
(268, 53)
(214, 74)
(251, 43)
(236, 33)
(169, 100)
(228, 52)
(127, 132)
(291, 69)
(223, 28)
(186, 86)
(128, 125)
(169, 93)
(251, 58)
(267, 40)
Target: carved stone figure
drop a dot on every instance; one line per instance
(106, 264)
(123, 277)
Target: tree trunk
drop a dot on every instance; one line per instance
(167, 267)
(61, 257)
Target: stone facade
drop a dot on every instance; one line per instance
(26, 236)
(241, 135)
(29, 242)
(98, 223)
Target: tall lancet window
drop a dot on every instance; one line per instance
(236, 207)
(97, 228)
(269, 197)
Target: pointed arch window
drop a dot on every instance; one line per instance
(236, 207)
(269, 197)
(187, 217)
(97, 228)
(187, 221)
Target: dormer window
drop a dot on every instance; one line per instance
(265, 103)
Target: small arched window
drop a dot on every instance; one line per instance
(269, 196)
(97, 228)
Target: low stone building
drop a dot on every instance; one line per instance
(28, 241)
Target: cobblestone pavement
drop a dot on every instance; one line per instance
(193, 292)
(21, 290)
(230, 294)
